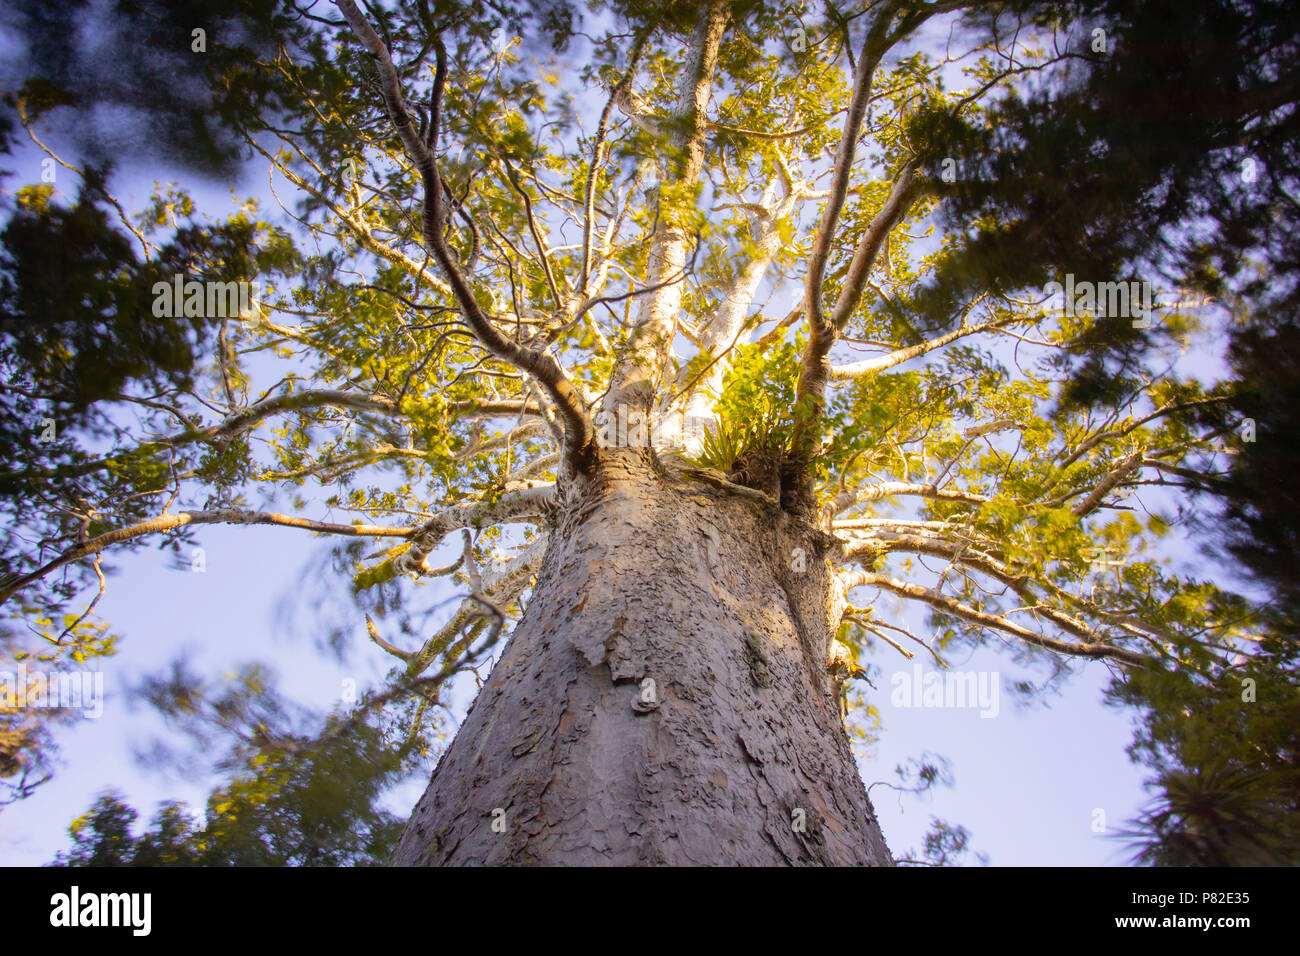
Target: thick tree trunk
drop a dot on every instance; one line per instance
(664, 699)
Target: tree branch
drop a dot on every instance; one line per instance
(579, 431)
(948, 605)
(650, 341)
(899, 356)
(530, 502)
(229, 428)
(169, 522)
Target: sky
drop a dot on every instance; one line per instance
(1031, 783)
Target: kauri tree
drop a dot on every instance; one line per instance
(676, 335)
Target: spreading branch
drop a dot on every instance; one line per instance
(1095, 649)
(579, 431)
(170, 522)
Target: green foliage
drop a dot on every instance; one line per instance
(1225, 754)
(303, 791)
(317, 810)
(1217, 816)
(177, 103)
(751, 439)
(946, 843)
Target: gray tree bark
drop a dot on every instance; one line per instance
(664, 698)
